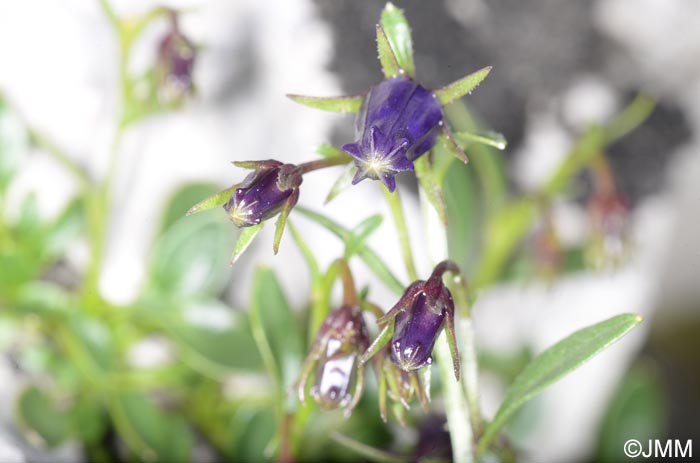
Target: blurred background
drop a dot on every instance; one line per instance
(162, 307)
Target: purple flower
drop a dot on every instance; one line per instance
(264, 192)
(176, 59)
(417, 329)
(340, 342)
(419, 316)
(398, 122)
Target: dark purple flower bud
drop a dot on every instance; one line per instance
(419, 316)
(264, 192)
(399, 121)
(176, 59)
(417, 328)
(340, 342)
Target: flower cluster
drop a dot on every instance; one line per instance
(398, 121)
(342, 348)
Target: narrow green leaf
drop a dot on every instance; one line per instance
(342, 183)
(430, 186)
(555, 362)
(390, 65)
(366, 451)
(488, 138)
(504, 230)
(338, 104)
(244, 240)
(276, 333)
(282, 220)
(358, 236)
(398, 33)
(38, 413)
(215, 200)
(368, 256)
(461, 87)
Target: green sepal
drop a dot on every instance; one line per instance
(339, 104)
(461, 87)
(489, 138)
(215, 200)
(387, 58)
(244, 240)
(398, 33)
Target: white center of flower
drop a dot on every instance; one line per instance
(377, 164)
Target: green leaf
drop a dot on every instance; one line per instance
(461, 87)
(277, 334)
(342, 183)
(503, 231)
(87, 420)
(359, 235)
(461, 201)
(179, 203)
(244, 240)
(339, 104)
(67, 227)
(215, 200)
(390, 65)
(555, 362)
(489, 138)
(398, 34)
(38, 413)
(430, 186)
(368, 256)
(150, 433)
(191, 256)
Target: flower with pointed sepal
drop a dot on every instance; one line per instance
(175, 65)
(609, 221)
(424, 309)
(399, 120)
(270, 188)
(340, 342)
(400, 386)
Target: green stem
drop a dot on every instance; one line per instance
(456, 406)
(394, 201)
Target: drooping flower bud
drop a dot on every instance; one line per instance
(399, 121)
(609, 218)
(419, 316)
(271, 187)
(176, 59)
(341, 340)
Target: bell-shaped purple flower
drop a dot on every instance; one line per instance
(340, 342)
(271, 187)
(399, 121)
(417, 328)
(425, 308)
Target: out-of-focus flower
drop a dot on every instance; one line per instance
(341, 340)
(176, 60)
(264, 192)
(399, 121)
(609, 218)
